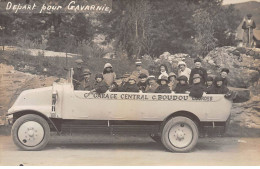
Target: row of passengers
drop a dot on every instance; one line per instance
(110, 76)
(163, 85)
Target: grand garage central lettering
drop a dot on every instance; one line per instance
(157, 97)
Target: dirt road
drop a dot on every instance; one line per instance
(115, 150)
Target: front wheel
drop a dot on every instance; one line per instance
(180, 134)
(31, 132)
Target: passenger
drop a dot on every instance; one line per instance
(152, 85)
(224, 72)
(115, 87)
(172, 81)
(209, 84)
(163, 70)
(125, 79)
(139, 70)
(78, 74)
(131, 85)
(196, 89)
(182, 86)
(86, 83)
(142, 82)
(100, 85)
(163, 85)
(198, 70)
(108, 74)
(218, 87)
(183, 70)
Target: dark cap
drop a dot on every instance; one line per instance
(225, 70)
(209, 78)
(218, 78)
(142, 75)
(249, 15)
(184, 78)
(197, 60)
(195, 76)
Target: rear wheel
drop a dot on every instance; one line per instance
(31, 132)
(180, 134)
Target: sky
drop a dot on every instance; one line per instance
(236, 1)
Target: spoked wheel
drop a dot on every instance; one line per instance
(180, 134)
(31, 132)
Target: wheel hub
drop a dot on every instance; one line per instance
(31, 133)
(180, 135)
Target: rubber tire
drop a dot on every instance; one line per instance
(30, 117)
(165, 132)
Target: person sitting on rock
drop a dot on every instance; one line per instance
(108, 74)
(163, 70)
(100, 85)
(163, 85)
(198, 70)
(183, 70)
(196, 89)
(209, 84)
(218, 87)
(142, 82)
(86, 83)
(182, 86)
(172, 81)
(131, 85)
(152, 85)
(224, 72)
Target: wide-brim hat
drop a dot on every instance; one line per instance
(225, 70)
(181, 63)
(195, 76)
(79, 61)
(184, 78)
(165, 78)
(172, 75)
(108, 65)
(86, 72)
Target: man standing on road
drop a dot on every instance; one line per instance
(248, 26)
(78, 74)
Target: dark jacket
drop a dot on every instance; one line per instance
(181, 88)
(86, 85)
(151, 88)
(101, 87)
(208, 89)
(163, 89)
(130, 88)
(225, 82)
(196, 90)
(219, 90)
(142, 86)
(77, 77)
(201, 71)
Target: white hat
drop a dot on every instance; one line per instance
(107, 65)
(181, 63)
